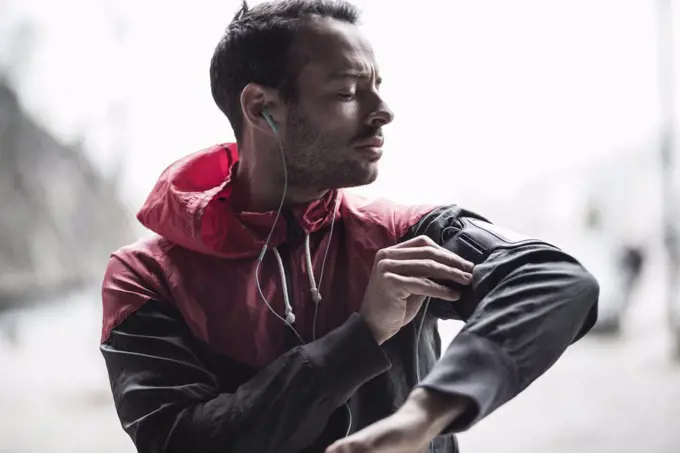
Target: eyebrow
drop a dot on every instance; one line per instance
(352, 74)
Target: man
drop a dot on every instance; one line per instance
(628, 264)
(239, 330)
(606, 248)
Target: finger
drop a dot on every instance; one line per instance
(427, 268)
(418, 241)
(423, 287)
(436, 253)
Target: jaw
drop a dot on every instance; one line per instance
(359, 175)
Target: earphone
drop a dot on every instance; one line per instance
(268, 118)
(289, 315)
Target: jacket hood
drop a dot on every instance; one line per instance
(190, 206)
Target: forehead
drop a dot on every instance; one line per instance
(328, 47)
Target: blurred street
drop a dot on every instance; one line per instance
(606, 395)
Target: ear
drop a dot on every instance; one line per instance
(254, 100)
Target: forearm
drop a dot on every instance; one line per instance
(168, 401)
(440, 409)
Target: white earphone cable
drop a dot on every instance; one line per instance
(313, 287)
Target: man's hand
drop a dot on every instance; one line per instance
(409, 430)
(402, 279)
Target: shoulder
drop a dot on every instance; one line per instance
(145, 258)
(393, 218)
(150, 247)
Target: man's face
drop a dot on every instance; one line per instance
(333, 136)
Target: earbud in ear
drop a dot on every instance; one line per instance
(268, 118)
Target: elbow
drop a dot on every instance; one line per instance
(590, 288)
(587, 298)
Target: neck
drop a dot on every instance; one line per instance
(258, 187)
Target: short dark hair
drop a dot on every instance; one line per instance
(255, 48)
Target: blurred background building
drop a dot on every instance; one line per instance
(553, 118)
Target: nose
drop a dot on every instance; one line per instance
(381, 115)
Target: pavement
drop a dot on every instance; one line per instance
(605, 395)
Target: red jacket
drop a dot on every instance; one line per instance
(196, 357)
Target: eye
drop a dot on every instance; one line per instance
(347, 96)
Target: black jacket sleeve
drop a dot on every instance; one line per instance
(169, 401)
(527, 303)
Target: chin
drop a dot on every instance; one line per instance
(345, 174)
(370, 178)
(367, 176)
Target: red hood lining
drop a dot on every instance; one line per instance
(190, 206)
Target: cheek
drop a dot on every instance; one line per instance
(343, 121)
(330, 125)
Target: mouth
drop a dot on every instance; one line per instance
(371, 147)
(374, 141)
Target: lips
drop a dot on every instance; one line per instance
(375, 141)
(371, 147)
